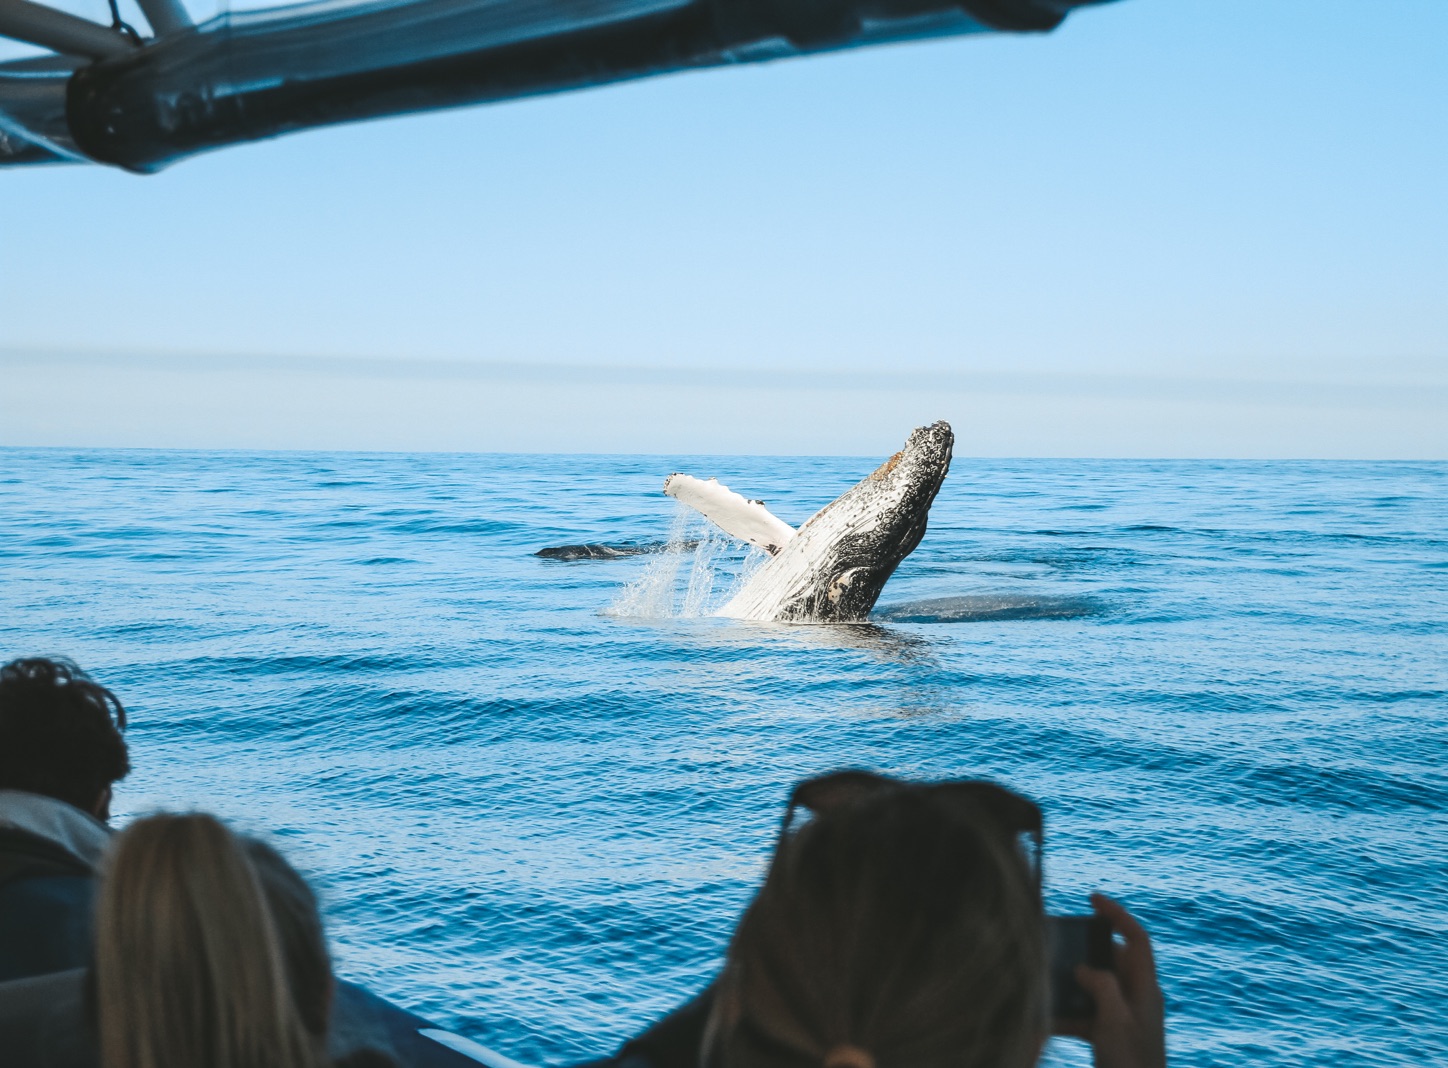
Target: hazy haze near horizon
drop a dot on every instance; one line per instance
(1187, 229)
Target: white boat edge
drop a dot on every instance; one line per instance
(468, 1048)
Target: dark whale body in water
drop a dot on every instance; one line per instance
(596, 551)
(989, 607)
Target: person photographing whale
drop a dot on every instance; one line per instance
(900, 925)
(61, 753)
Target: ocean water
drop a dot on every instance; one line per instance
(535, 795)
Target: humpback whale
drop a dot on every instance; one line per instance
(832, 569)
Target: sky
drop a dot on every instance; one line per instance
(1171, 228)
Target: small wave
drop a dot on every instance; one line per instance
(319, 665)
(440, 525)
(990, 607)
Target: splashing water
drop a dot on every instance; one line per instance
(665, 591)
(651, 595)
(699, 594)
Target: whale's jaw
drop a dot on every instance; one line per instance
(834, 568)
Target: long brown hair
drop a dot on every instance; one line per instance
(901, 927)
(190, 970)
(298, 924)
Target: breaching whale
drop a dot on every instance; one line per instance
(832, 569)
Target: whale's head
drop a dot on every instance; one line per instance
(834, 568)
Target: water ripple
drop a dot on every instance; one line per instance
(535, 822)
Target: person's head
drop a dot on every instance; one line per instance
(190, 967)
(899, 927)
(298, 924)
(60, 734)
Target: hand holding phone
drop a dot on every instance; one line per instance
(1073, 941)
(1128, 1029)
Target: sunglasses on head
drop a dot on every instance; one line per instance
(1017, 817)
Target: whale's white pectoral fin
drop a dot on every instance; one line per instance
(735, 515)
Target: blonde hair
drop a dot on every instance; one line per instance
(899, 930)
(189, 970)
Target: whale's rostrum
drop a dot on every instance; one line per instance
(832, 569)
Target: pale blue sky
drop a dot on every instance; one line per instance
(1171, 228)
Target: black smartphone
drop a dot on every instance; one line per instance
(1076, 940)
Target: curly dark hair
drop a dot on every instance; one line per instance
(60, 732)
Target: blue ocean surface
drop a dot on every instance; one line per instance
(535, 795)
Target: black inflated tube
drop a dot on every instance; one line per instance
(251, 76)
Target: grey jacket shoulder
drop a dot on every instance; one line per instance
(48, 854)
(43, 1022)
(46, 895)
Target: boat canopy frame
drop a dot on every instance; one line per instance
(107, 94)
